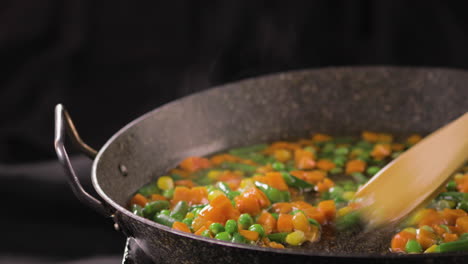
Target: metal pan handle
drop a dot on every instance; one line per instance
(64, 124)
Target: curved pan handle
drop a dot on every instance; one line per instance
(64, 124)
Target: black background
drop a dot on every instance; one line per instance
(110, 61)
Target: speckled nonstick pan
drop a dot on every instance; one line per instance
(339, 101)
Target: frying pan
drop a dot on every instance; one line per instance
(338, 101)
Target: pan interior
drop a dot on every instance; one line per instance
(337, 101)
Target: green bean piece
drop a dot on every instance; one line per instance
(372, 170)
(278, 237)
(293, 212)
(257, 228)
(154, 207)
(359, 177)
(453, 196)
(463, 236)
(164, 220)
(225, 236)
(413, 246)
(233, 194)
(216, 228)
(180, 210)
(446, 228)
(238, 166)
(339, 161)
(328, 148)
(275, 215)
(463, 205)
(278, 166)
(295, 182)
(248, 149)
(231, 226)
(238, 238)
(366, 145)
(224, 187)
(349, 186)
(149, 189)
(136, 209)
(273, 194)
(314, 222)
(336, 192)
(206, 233)
(168, 193)
(245, 220)
(336, 170)
(341, 151)
(348, 221)
(459, 245)
(165, 212)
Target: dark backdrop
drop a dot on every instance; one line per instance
(110, 61)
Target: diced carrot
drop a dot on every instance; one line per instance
(370, 136)
(462, 183)
(462, 224)
(282, 208)
(328, 209)
(282, 155)
(399, 241)
(274, 179)
(318, 137)
(264, 169)
(325, 164)
(451, 215)
(181, 227)
(220, 158)
(383, 137)
(314, 213)
(300, 222)
(198, 223)
(324, 185)
(284, 223)
(305, 142)
(186, 183)
(220, 210)
(281, 145)
(196, 195)
(413, 139)
(398, 147)
(267, 221)
(180, 172)
(247, 205)
(355, 166)
(438, 229)
(259, 195)
(380, 151)
(425, 238)
(250, 235)
(450, 237)
(275, 245)
(303, 159)
(139, 199)
(231, 178)
(193, 164)
(157, 197)
(431, 217)
(309, 176)
(200, 230)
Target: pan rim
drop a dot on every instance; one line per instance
(126, 212)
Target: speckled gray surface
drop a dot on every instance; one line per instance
(340, 101)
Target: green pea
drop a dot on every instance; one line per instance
(341, 151)
(164, 220)
(328, 148)
(257, 228)
(336, 170)
(231, 226)
(359, 177)
(339, 161)
(206, 233)
(364, 156)
(223, 236)
(278, 166)
(348, 221)
(412, 246)
(180, 210)
(149, 189)
(245, 220)
(168, 193)
(238, 238)
(278, 237)
(275, 215)
(452, 186)
(336, 192)
(463, 205)
(188, 221)
(372, 170)
(154, 207)
(216, 228)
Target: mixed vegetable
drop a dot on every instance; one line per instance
(286, 194)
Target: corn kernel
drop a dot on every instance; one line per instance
(189, 215)
(411, 230)
(247, 183)
(213, 194)
(213, 174)
(165, 183)
(458, 176)
(295, 238)
(431, 249)
(344, 211)
(348, 195)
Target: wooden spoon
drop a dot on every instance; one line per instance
(415, 175)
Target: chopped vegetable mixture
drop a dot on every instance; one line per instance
(285, 194)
